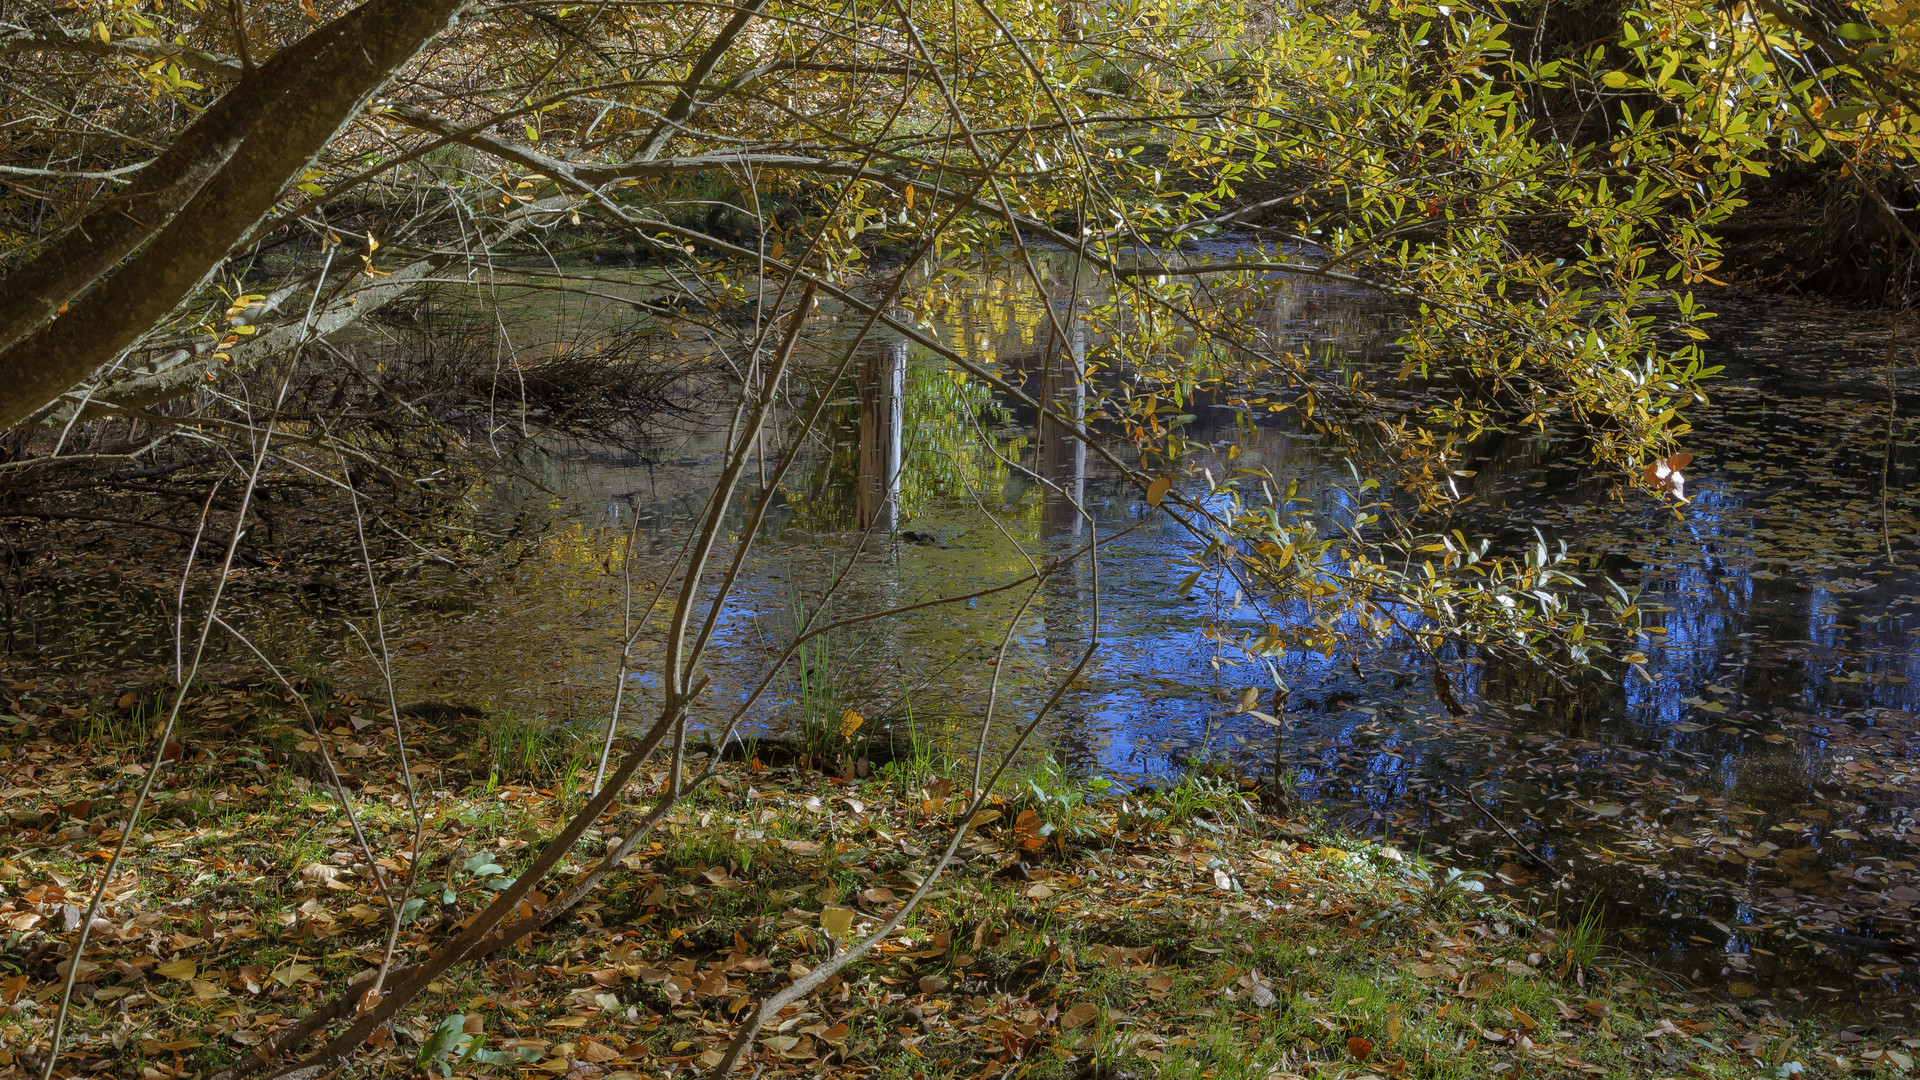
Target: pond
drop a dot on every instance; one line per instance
(1745, 804)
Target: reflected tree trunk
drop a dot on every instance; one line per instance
(883, 392)
(1063, 458)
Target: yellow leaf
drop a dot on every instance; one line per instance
(293, 973)
(836, 921)
(850, 722)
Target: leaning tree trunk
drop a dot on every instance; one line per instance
(68, 311)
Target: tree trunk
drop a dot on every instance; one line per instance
(195, 202)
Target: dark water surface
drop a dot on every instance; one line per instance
(1744, 803)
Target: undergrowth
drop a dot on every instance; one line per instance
(1085, 931)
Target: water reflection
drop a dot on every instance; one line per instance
(1060, 458)
(1746, 798)
(883, 400)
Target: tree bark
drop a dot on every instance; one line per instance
(185, 213)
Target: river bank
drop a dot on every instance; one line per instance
(1741, 798)
(1082, 932)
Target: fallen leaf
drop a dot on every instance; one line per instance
(292, 973)
(596, 1052)
(1662, 1028)
(178, 969)
(836, 921)
(1476, 987)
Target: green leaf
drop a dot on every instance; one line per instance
(443, 1039)
(1615, 79)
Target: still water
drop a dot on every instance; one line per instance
(1744, 802)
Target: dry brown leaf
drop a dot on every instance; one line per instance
(178, 969)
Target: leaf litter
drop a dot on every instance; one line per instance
(1174, 933)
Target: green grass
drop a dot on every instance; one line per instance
(1328, 959)
(516, 750)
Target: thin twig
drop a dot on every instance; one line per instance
(1532, 856)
